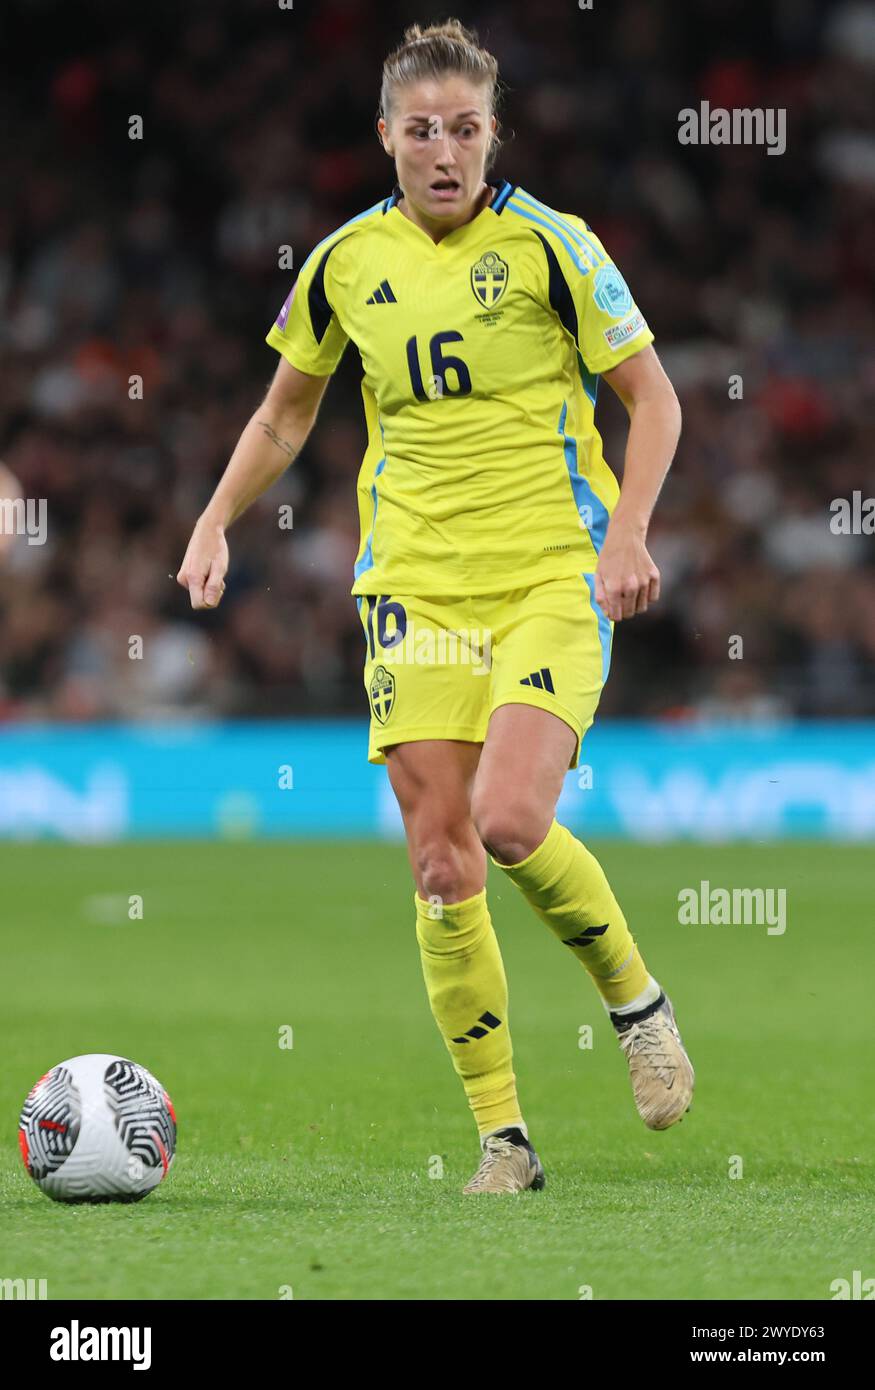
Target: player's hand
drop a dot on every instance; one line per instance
(626, 579)
(205, 565)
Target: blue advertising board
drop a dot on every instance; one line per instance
(299, 778)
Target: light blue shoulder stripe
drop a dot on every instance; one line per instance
(563, 222)
(331, 235)
(528, 207)
(573, 251)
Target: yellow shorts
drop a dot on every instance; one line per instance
(438, 667)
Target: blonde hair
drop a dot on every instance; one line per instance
(435, 51)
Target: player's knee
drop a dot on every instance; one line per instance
(507, 832)
(441, 873)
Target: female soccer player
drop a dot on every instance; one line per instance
(497, 551)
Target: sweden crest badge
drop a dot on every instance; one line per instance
(382, 693)
(489, 279)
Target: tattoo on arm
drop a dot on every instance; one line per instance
(283, 444)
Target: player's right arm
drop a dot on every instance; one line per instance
(311, 342)
(269, 443)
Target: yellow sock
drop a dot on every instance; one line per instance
(566, 886)
(467, 990)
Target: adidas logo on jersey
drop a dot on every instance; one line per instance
(382, 295)
(542, 680)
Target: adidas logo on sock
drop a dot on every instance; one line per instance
(542, 680)
(382, 295)
(476, 1032)
(586, 937)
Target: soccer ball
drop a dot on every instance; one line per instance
(97, 1128)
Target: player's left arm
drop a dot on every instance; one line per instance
(615, 342)
(626, 579)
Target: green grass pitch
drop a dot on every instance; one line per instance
(311, 1169)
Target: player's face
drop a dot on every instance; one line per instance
(439, 138)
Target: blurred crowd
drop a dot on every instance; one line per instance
(156, 258)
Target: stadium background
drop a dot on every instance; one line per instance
(159, 257)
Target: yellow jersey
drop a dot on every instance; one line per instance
(481, 353)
